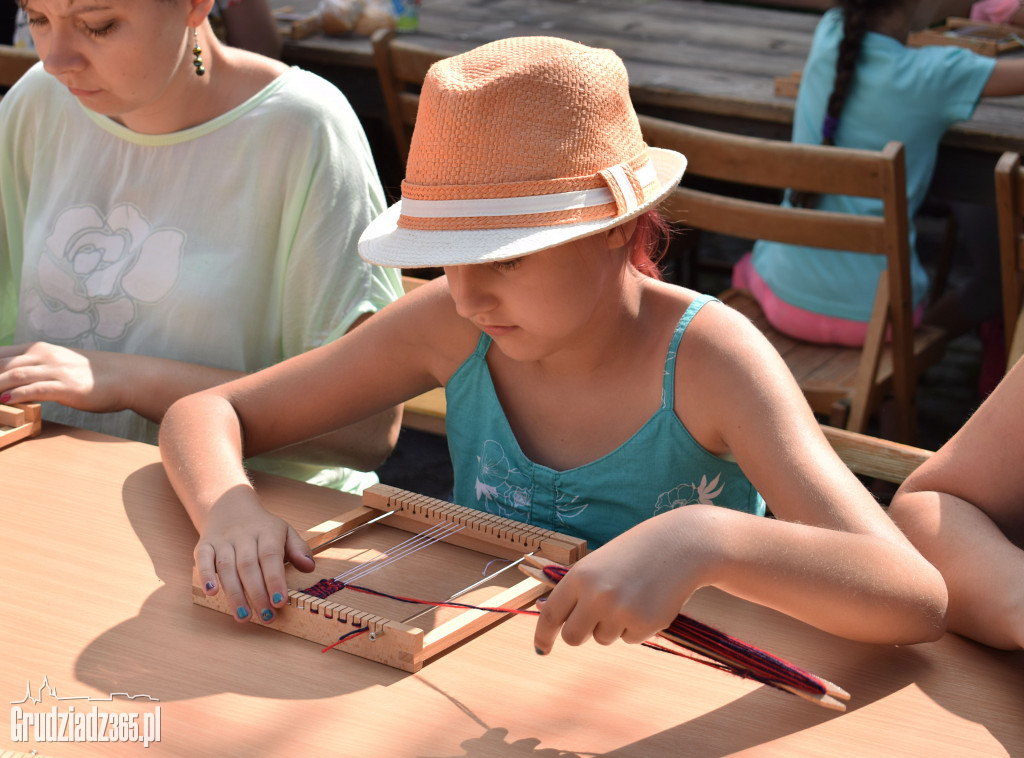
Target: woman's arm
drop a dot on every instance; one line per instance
(964, 509)
(105, 382)
(831, 557)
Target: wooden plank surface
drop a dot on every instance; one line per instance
(712, 58)
(96, 577)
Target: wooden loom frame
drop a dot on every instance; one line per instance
(18, 421)
(394, 643)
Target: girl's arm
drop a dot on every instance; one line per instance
(964, 509)
(831, 557)
(395, 355)
(1007, 78)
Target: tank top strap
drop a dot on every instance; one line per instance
(669, 385)
(482, 345)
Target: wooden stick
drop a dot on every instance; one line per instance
(832, 697)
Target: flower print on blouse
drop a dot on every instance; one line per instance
(659, 468)
(96, 270)
(504, 489)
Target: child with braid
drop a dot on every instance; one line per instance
(862, 87)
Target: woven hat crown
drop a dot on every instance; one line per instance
(522, 109)
(520, 145)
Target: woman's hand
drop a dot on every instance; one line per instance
(87, 380)
(246, 547)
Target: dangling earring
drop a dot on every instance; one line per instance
(197, 52)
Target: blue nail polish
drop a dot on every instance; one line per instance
(210, 585)
(266, 614)
(538, 651)
(277, 597)
(243, 612)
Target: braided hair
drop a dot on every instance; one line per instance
(856, 16)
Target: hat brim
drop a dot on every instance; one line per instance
(383, 242)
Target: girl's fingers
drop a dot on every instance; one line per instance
(275, 588)
(205, 557)
(230, 583)
(606, 632)
(250, 572)
(297, 552)
(553, 615)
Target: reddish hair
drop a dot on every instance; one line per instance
(649, 242)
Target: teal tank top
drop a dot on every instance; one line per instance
(659, 468)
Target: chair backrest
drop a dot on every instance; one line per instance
(401, 68)
(735, 160)
(1010, 206)
(15, 61)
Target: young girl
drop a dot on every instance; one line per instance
(862, 87)
(584, 394)
(174, 213)
(964, 508)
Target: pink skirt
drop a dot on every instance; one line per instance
(797, 322)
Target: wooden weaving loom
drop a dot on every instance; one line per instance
(448, 568)
(18, 422)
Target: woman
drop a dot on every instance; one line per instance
(176, 213)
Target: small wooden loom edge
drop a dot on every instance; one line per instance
(394, 643)
(19, 421)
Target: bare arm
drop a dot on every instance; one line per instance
(831, 558)
(393, 356)
(1007, 78)
(105, 382)
(964, 509)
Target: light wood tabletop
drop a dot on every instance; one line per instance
(96, 577)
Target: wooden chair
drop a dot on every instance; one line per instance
(1010, 207)
(15, 61)
(844, 384)
(401, 68)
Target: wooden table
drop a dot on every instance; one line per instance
(707, 63)
(96, 599)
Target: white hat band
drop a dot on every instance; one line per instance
(532, 204)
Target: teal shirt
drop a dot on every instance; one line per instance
(908, 94)
(659, 468)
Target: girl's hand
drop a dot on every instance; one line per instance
(629, 589)
(246, 547)
(87, 380)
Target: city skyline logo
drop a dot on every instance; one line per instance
(51, 691)
(66, 720)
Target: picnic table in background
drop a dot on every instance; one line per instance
(706, 63)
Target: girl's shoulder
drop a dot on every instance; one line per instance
(701, 314)
(715, 337)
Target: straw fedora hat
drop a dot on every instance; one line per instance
(520, 145)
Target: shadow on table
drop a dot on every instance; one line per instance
(174, 650)
(881, 671)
